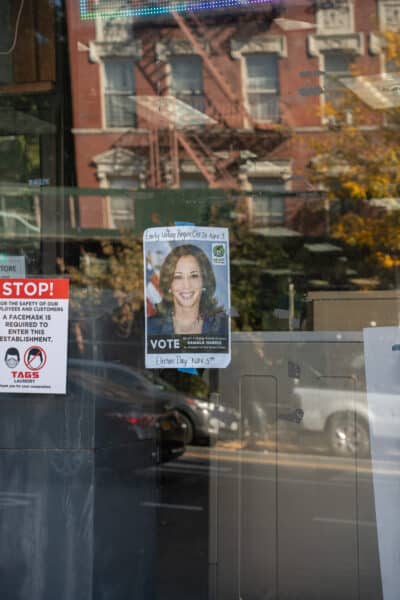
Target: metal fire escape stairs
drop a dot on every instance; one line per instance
(213, 168)
(235, 99)
(164, 143)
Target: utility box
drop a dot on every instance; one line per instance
(352, 311)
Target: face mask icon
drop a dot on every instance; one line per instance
(12, 358)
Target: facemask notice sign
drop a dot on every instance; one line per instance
(33, 335)
(187, 296)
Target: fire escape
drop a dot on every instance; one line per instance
(218, 140)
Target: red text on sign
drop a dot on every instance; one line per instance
(24, 375)
(34, 288)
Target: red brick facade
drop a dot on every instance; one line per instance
(294, 35)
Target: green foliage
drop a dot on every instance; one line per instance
(357, 163)
(112, 283)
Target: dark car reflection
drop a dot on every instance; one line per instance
(206, 418)
(134, 425)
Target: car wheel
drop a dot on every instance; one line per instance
(189, 433)
(348, 435)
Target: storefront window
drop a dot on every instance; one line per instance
(199, 300)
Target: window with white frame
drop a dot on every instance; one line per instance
(336, 66)
(116, 29)
(335, 16)
(391, 72)
(187, 79)
(119, 86)
(122, 208)
(193, 182)
(268, 204)
(262, 86)
(389, 15)
(391, 66)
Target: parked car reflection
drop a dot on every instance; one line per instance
(206, 418)
(129, 417)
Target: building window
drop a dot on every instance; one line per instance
(391, 66)
(263, 86)
(116, 29)
(187, 79)
(268, 204)
(389, 15)
(335, 16)
(193, 182)
(122, 208)
(390, 91)
(336, 66)
(6, 39)
(119, 87)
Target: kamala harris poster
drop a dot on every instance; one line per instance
(187, 297)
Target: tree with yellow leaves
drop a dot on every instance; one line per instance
(357, 164)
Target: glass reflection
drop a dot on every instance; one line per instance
(276, 120)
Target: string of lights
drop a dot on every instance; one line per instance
(109, 9)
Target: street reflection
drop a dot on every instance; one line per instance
(273, 506)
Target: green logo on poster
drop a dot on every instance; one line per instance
(218, 251)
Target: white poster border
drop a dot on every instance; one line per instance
(181, 235)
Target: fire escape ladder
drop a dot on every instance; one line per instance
(227, 179)
(224, 163)
(154, 160)
(196, 157)
(208, 63)
(213, 111)
(214, 44)
(205, 149)
(153, 70)
(174, 157)
(193, 21)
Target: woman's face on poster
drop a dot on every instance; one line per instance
(187, 282)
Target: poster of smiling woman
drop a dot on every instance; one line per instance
(187, 296)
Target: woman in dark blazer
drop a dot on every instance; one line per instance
(189, 306)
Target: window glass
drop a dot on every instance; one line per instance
(186, 74)
(278, 122)
(187, 80)
(123, 207)
(189, 182)
(267, 209)
(263, 86)
(119, 86)
(336, 65)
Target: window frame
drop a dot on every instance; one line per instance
(268, 217)
(117, 93)
(111, 211)
(267, 92)
(339, 29)
(194, 97)
(333, 75)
